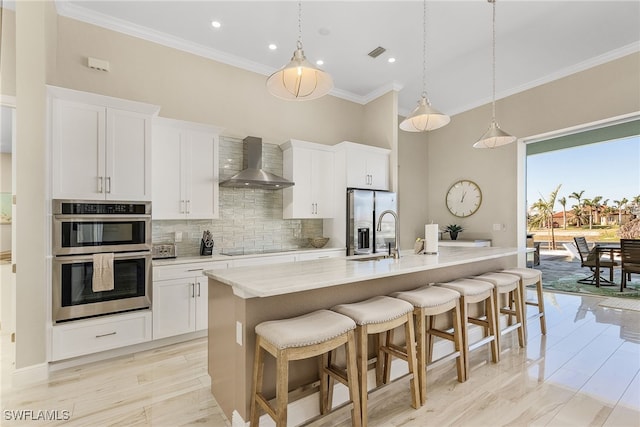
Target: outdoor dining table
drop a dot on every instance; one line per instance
(612, 247)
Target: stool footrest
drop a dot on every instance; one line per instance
(395, 350)
(510, 328)
(266, 406)
(448, 357)
(483, 341)
(441, 334)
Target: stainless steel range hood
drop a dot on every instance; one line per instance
(253, 176)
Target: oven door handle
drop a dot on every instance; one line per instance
(66, 259)
(102, 218)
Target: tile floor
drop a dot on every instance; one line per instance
(586, 371)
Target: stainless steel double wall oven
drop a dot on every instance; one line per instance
(82, 229)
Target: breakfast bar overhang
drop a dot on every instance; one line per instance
(241, 298)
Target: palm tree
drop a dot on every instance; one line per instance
(563, 202)
(588, 204)
(578, 196)
(595, 203)
(546, 209)
(619, 206)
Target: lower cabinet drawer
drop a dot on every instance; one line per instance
(90, 336)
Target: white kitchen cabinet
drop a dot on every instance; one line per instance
(185, 170)
(101, 147)
(180, 298)
(82, 337)
(367, 166)
(311, 167)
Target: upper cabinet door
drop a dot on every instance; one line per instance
(78, 146)
(378, 170)
(128, 159)
(201, 175)
(166, 176)
(322, 168)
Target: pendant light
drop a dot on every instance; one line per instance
(299, 80)
(494, 136)
(424, 117)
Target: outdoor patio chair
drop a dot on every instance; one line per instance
(630, 255)
(588, 259)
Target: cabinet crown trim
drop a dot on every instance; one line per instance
(298, 143)
(195, 126)
(345, 145)
(102, 100)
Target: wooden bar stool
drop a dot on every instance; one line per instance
(530, 276)
(428, 302)
(303, 337)
(375, 316)
(509, 285)
(476, 291)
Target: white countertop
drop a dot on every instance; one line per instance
(218, 257)
(279, 279)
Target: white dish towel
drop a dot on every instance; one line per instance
(102, 272)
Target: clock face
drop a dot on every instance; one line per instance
(464, 198)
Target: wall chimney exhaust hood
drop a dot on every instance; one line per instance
(253, 176)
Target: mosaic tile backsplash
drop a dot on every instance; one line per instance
(250, 220)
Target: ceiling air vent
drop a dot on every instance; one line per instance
(377, 52)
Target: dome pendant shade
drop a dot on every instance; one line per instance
(424, 118)
(299, 80)
(494, 137)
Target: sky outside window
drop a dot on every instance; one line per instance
(609, 169)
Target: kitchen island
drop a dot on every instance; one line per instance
(241, 298)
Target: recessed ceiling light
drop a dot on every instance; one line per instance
(319, 62)
(215, 24)
(391, 60)
(273, 46)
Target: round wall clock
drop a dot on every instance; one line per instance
(464, 198)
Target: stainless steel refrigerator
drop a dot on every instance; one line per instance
(363, 211)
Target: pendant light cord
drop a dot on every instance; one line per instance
(299, 44)
(424, 49)
(493, 36)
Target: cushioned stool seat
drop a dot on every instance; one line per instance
(428, 302)
(375, 316)
(474, 291)
(530, 276)
(303, 337)
(509, 285)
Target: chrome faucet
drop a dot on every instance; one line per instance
(396, 254)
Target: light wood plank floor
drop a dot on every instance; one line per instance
(586, 371)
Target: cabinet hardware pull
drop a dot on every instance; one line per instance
(108, 184)
(188, 204)
(100, 184)
(105, 335)
(193, 290)
(196, 269)
(198, 290)
(181, 206)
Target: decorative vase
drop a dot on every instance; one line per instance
(453, 234)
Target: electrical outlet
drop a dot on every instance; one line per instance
(178, 236)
